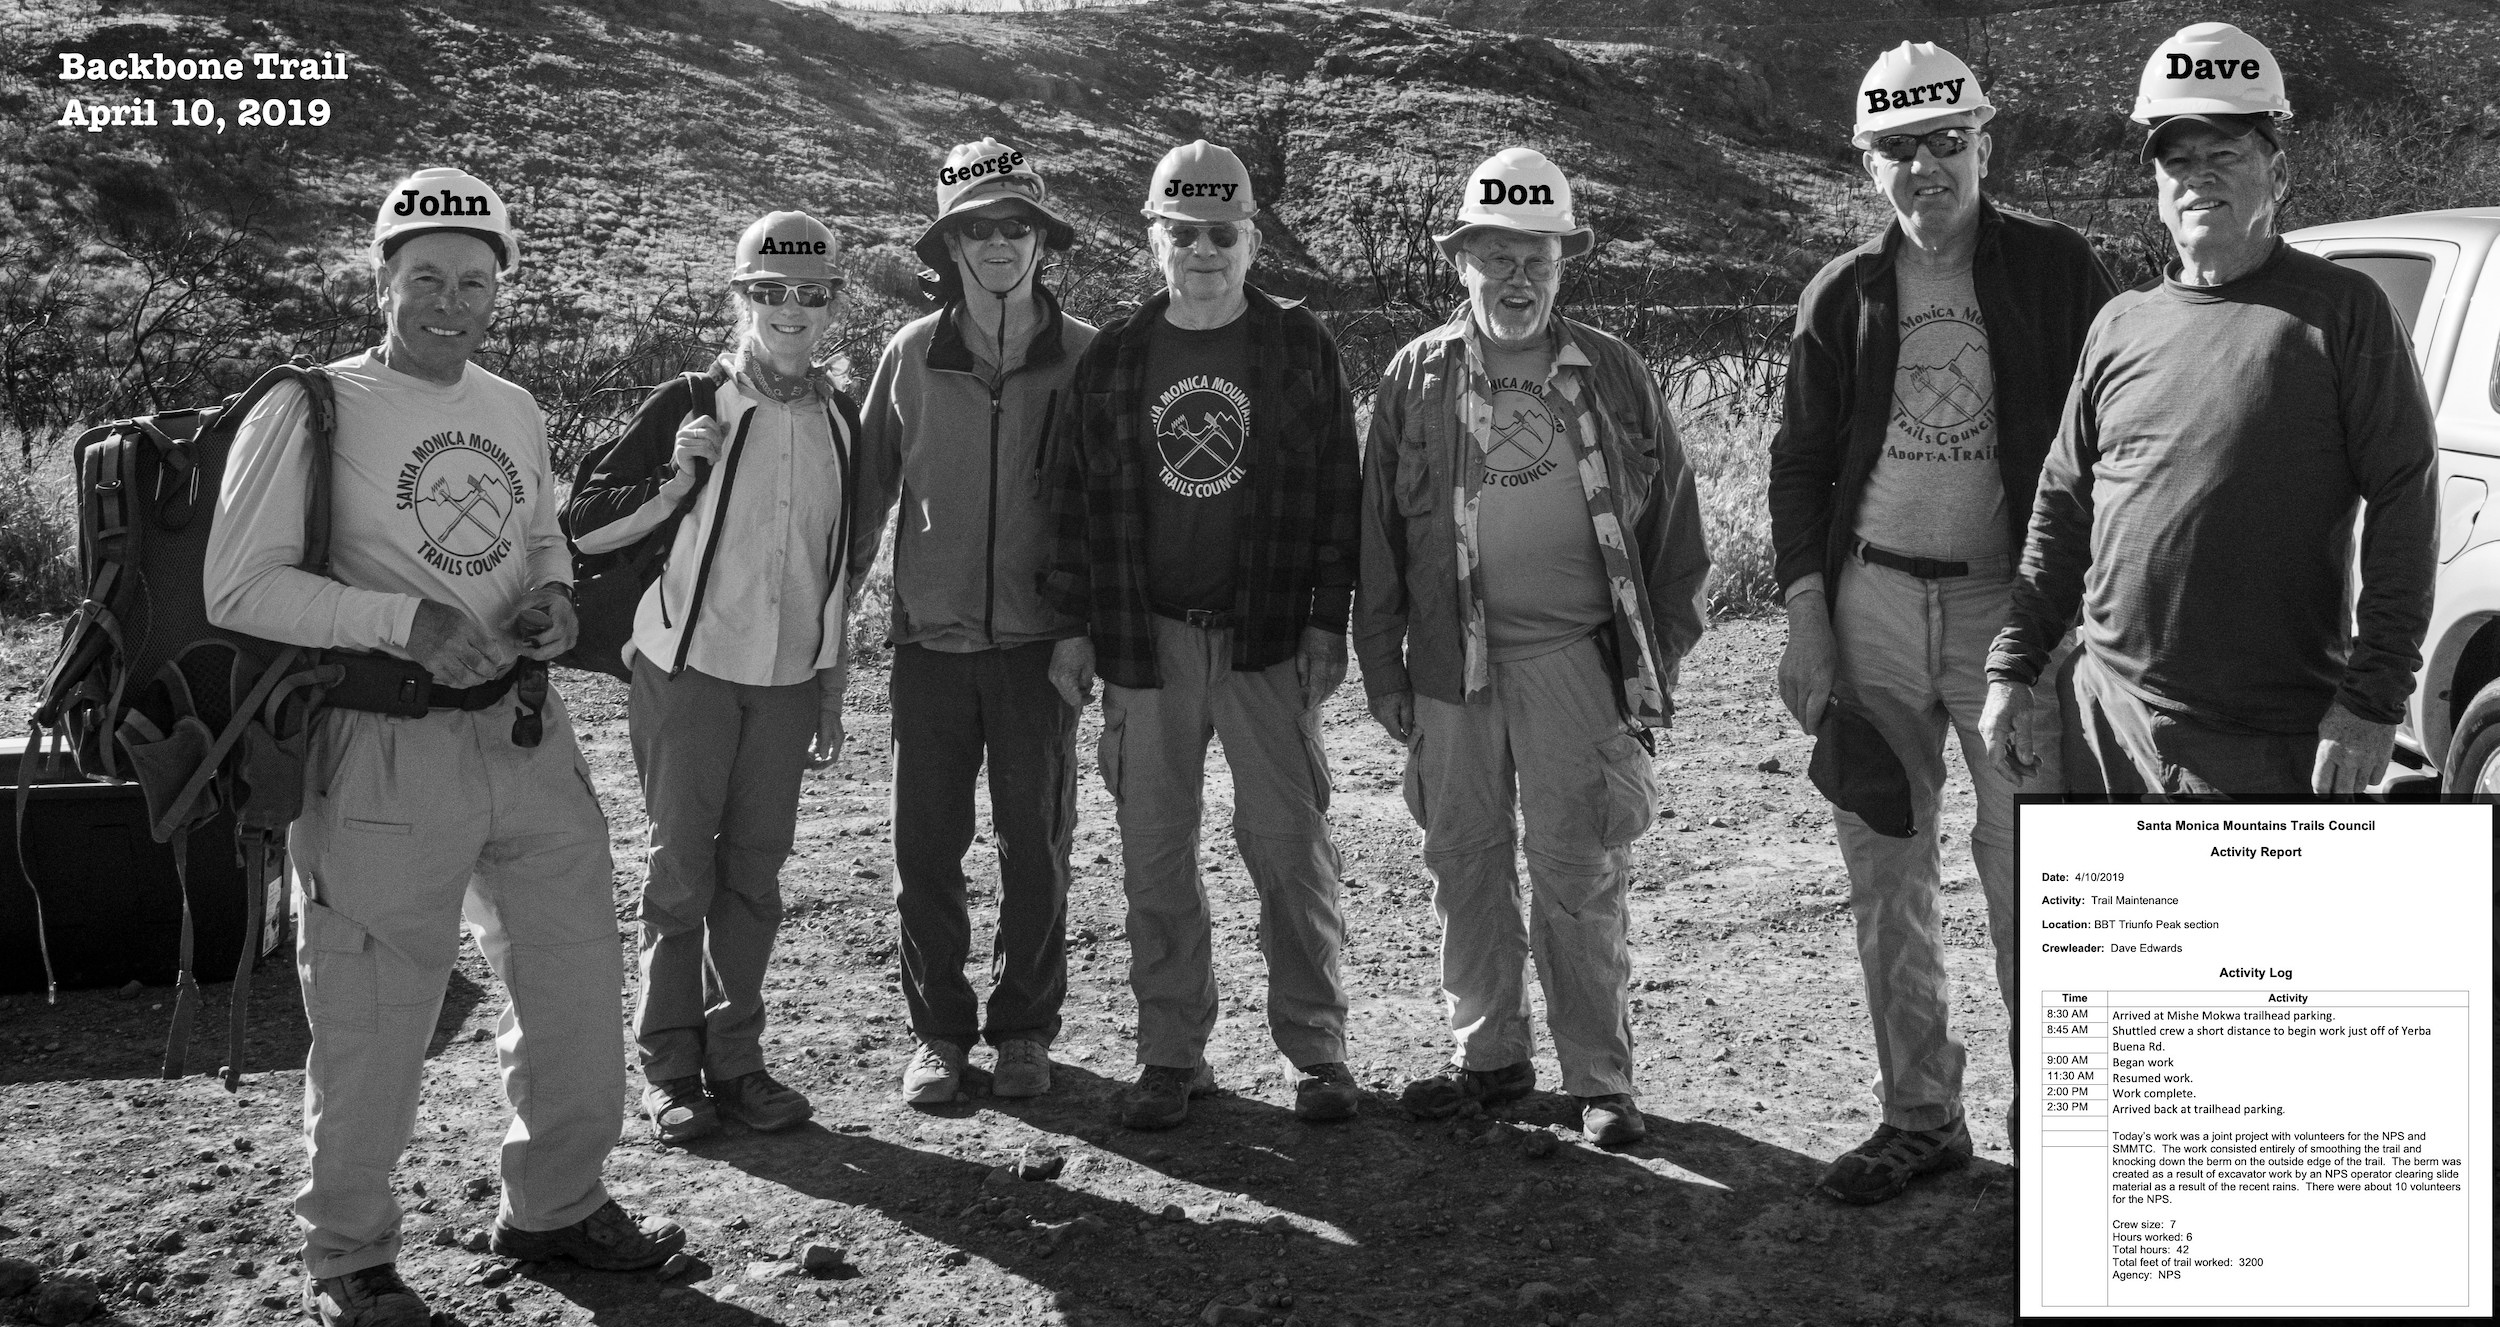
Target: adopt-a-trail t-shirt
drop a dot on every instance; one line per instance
(1936, 491)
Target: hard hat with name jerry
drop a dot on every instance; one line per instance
(976, 175)
(1914, 81)
(2210, 69)
(1518, 189)
(787, 246)
(1200, 182)
(444, 198)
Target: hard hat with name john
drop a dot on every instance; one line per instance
(1913, 82)
(787, 246)
(2212, 74)
(441, 198)
(1200, 182)
(978, 174)
(1518, 189)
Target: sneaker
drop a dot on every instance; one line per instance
(1612, 1120)
(1023, 1068)
(1160, 1099)
(758, 1102)
(1882, 1166)
(1326, 1092)
(678, 1110)
(367, 1297)
(1448, 1093)
(604, 1241)
(935, 1074)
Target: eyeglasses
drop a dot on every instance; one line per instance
(1006, 228)
(809, 295)
(1224, 233)
(1505, 268)
(1940, 143)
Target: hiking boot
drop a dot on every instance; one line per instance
(604, 1241)
(1448, 1093)
(935, 1074)
(367, 1297)
(758, 1102)
(1160, 1099)
(1612, 1120)
(678, 1110)
(1326, 1092)
(1023, 1068)
(1881, 1167)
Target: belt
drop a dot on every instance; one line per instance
(383, 685)
(1926, 569)
(1205, 619)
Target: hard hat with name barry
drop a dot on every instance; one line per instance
(978, 174)
(787, 246)
(1912, 83)
(1200, 181)
(1517, 189)
(2211, 74)
(444, 198)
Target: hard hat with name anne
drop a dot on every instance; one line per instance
(1200, 182)
(787, 246)
(978, 174)
(1916, 81)
(444, 198)
(1518, 189)
(2215, 74)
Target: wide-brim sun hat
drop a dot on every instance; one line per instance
(977, 175)
(1518, 190)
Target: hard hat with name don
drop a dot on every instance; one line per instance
(976, 175)
(1518, 189)
(1200, 182)
(1915, 81)
(787, 246)
(445, 198)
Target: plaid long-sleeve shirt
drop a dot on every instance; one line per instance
(1300, 532)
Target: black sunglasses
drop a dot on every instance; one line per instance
(1224, 233)
(1940, 143)
(1006, 228)
(809, 295)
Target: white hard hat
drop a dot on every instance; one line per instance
(1518, 189)
(2210, 69)
(1916, 81)
(444, 198)
(1201, 181)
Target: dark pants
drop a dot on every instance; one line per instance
(950, 710)
(2116, 743)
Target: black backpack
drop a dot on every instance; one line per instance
(145, 690)
(608, 587)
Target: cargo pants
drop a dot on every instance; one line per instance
(409, 825)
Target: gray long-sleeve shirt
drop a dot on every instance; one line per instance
(2198, 502)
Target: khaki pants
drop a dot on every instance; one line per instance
(1914, 657)
(409, 825)
(1153, 757)
(720, 765)
(1552, 740)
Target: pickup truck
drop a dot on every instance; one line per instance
(2439, 270)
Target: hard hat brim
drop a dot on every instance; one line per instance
(930, 248)
(2232, 124)
(507, 249)
(1204, 214)
(1575, 242)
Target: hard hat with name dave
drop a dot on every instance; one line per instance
(978, 174)
(1915, 81)
(2212, 74)
(787, 246)
(1200, 182)
(1518, 189)
(445, 198)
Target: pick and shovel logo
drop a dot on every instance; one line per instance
(1521, 450)
(1200, 425)
(463, 491)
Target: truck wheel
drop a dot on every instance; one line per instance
(2474, 754)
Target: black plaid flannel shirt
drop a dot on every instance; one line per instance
(1299, 535)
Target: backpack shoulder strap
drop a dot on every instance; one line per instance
(319, 430)
(706, 392)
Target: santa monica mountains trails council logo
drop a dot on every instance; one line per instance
(463, 490)
(1200, 425)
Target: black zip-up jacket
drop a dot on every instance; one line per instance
(2039, 285)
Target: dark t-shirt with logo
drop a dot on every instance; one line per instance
(1198, 423)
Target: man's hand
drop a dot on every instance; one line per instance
(1319, 665)
(1812, 656)
(831, 684)
(2352, 751)
(456, 648)
(2005, 725)
(545, 624)
(698, 440)
(1072, 670)
(1396, 712)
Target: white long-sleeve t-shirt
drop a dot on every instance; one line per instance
(438, 493)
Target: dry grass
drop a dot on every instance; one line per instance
(1731, 459)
